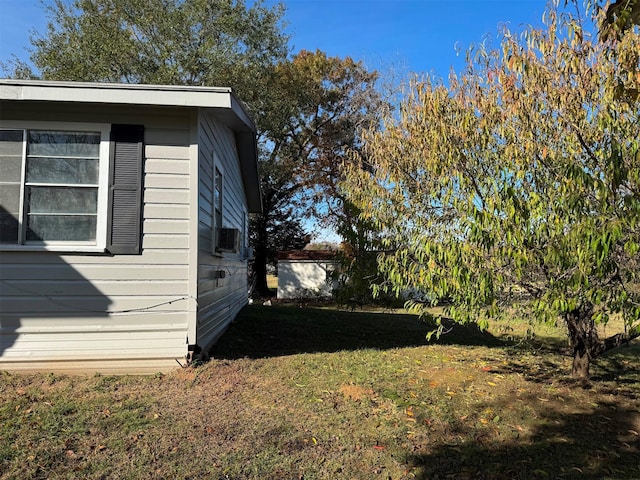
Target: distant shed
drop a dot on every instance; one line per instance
(306, 273)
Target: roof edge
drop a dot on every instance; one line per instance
(120, 94)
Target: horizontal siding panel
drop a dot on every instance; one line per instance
(229, 260)
(166, 180)
(206, 196)
(166, 226)
(159, 211)
(167, 166)
(96, 272)
(96, 304)
(167, 136)
(144, 365)
(18, 288)
(223, 290)
(98, 332)
(205, 234)
(12, 261)
(166, 151)
(220, 315)
(78, 323)
(204, 218)
(84, 346)
(166, 195)
(165, 241)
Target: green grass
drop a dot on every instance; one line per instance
(320, 393)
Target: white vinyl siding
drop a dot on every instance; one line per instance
(117, 312)
(219, 299)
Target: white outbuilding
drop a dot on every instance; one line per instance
(306, 274)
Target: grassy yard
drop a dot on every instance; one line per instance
(319, 393)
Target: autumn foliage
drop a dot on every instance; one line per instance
(515, 187)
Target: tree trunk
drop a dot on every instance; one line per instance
(581, 363)
(260, 272)
(583, 339)
(260, 260)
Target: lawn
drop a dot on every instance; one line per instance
(320, 393)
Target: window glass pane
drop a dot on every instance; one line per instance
(8, 226)
(10, 198)
(10, 177)
(62, 200)
(11, 142)
(9, 212)
(217, 190)
(14, 136)
(62, 170)
(10, 168)
(64, 144)
(78, 228)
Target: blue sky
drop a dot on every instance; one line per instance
(398, 35)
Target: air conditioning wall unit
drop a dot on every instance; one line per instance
(229, 240)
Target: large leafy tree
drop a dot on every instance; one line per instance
(320, 106)
(517, 185)
(309, 108)
(195, 42)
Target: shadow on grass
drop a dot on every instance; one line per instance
(600, 443)
(261, 332)
(617, 372)
(619, 365)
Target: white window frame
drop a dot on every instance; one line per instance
(99, 245)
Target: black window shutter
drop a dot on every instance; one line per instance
(124, 227)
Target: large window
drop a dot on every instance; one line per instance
(53, 185)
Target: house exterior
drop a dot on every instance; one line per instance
(123, 223)
(306, 274)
